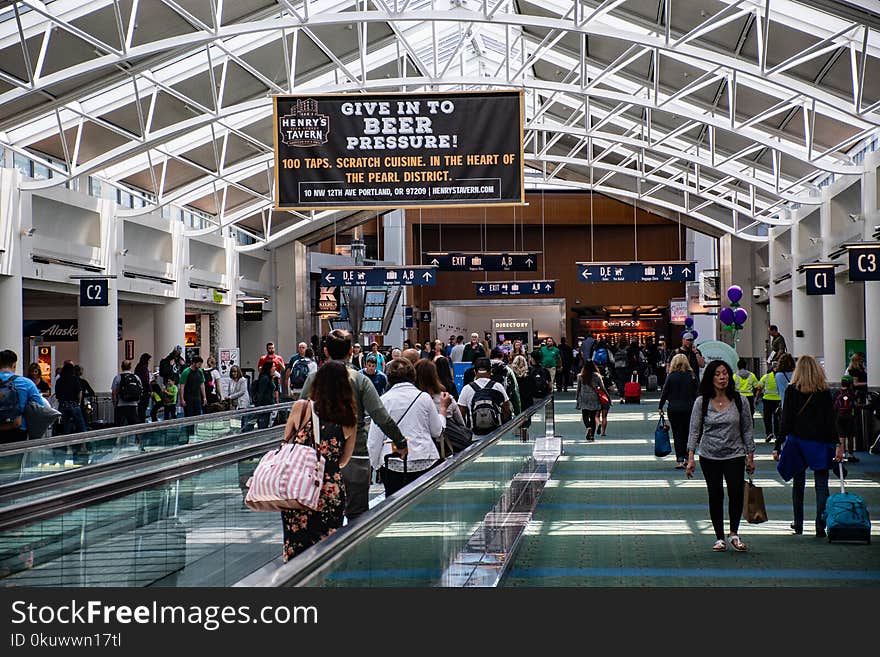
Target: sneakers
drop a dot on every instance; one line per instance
(768, 438)
(736, 543)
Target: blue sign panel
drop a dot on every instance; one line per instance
(514, 288)
(425, 316)
(93, 292)
(483, 261)
(864, 263)
(348, 276)
(408, 317)
(637, 272)
(820, 280)
(458, 370)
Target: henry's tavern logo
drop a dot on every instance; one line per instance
(304, 126)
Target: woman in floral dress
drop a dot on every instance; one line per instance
(336, 411)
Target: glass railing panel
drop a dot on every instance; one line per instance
(424, 541)
(126, 442)
(190, 531)
(65, 485)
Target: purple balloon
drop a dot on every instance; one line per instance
(734, 293)
(688, 321)
(695, 334)
(726, 315)
(740, 316)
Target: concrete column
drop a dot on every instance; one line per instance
(291, 300)
(872, 288)
(170, 318)
(394, 251)
(227, 321)
(843, 318)
(98, 341)
(10, 265)
(807, 319)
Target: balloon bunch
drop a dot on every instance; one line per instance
(689, 327)
(733, 317)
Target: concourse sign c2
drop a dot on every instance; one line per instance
(378, 276)
(636, 272)
(392, 150)
(94, 292)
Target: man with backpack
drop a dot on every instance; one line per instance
(126, 391)
(539, 376)
(302, 367)
(505, 375)
(15, 393)
(483, 402)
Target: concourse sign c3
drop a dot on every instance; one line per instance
(864, 261)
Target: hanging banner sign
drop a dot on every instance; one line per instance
(363, 151)
(514, 288)
(328, 301)
(347, 276)
(408, 317)
(483, 261)
(636, 272)
(252, 311)
(820, 280)
(864, 263)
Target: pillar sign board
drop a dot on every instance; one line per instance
(93, 292)
(393, 150)
(864, 263)
(820, 280)
(252, 311)
(328, 301)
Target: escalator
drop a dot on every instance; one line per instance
(179, 520)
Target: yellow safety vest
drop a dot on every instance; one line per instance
(745, 385)
(768, 383)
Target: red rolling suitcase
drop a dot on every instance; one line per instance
(632, 391)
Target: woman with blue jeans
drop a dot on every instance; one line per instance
(721, 428)
(810, 439)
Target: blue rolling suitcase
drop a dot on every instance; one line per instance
(846, 517)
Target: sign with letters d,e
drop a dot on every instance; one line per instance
(820, 280)
(94, 292)
(864, 263)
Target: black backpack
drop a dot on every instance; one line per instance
(165, 369)
(500, 374)
(10, 405)
(299, 373)
(539, 381)
(130, 387)
(485, 409)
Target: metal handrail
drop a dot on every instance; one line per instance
(329, 550)
(27, 512)
(22, 446)
(24, 487)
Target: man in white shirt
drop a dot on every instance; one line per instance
(484, 412)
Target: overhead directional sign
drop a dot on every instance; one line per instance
(820, 280)
(94, 292)
(864, 262)
(496, 261)
(514, 288)
(348, 276)
(636, 272)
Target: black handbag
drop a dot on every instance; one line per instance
(456, 437)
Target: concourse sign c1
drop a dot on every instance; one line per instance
(820, 279)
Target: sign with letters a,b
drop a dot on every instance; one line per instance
(820, 280)
(864, 263)
(94, 292)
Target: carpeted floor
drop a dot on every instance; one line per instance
(614, 515)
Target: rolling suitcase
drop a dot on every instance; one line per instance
(846, 517)
(652, 383)
(632, 391)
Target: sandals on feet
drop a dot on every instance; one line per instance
(737, 544)
(720, 545)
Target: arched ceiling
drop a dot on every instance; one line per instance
(723, 110)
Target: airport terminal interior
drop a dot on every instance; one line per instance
(236, 193)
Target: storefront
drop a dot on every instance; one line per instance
(613, 329)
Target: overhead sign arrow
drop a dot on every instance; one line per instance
(529, 262)
(427, 276)
(435, 262)
(329, 278)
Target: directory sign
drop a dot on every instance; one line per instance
(391, 150)
(864, 263)
(348, 276)
(94, 292)
(516, 261)
(820, 280)
(636, 272)
(514, 288)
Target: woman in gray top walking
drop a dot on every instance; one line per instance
(589, 385)
(722, 430)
